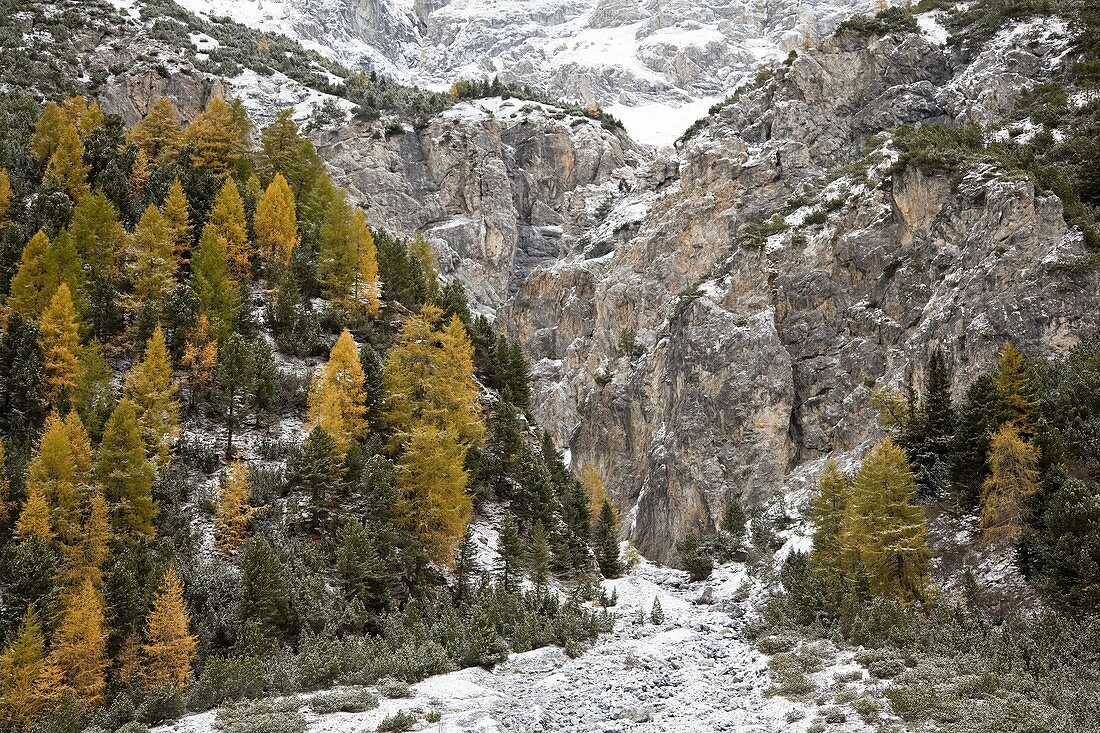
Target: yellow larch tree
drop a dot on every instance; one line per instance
(79, 649)
(52, 474)
(150, 388)
(140, 172)
(1013, 479)
(276, 224)
(234, 513)
(157, 134)
(84, 561)
(6, 508)
(81, 446)
(169, 648)
(30, 290)
(126, 474)
(47, 132)
(434, 504)
(337, 397)
(151, 261)
(826, 515)
(59, 340)
(21, 675)
(66, 168)
(5, 196)
(176, 211)
(218, 138)
(34, 518)
(347, 261)
(227, 221)
(200, 358)
(86, 118)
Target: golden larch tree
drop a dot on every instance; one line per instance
(227, 220)
(22, 665)
(434, 504)
(85, 560)
(81, 446)
(34, 518)
(217, 137)
(126, 474)
(59, 340)
(157, 134)
(5, 196)
(150, 388)
(826, 516)
(200, 358)
(30, 290)
(99, 237)
(234, 513)
(52, 474)
(66, 168)
(151, 261)
(169, 648)
(47, 133)
(337, 397)
(276, 224)
(347, 262)
(1013, 479)
(79, 649)
(177, 212)
(140, 172)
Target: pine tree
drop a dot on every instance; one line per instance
(151, 262)
(212, 283)
(288, 153)
(264, 597)
(22, 405)
(421, 251)
(434, 505)
(656, 613)
(337, 398)
(885, 533)
(59, 340)
(125, 473)
(157, 134)
(217, 137)
(21, 675)
(276, 225)
(94, 397)
(66, 168)
(169, 648)
(177, 214)
(1071, 546)
(52, 474)
(32, 287)
(317, 467)
(150, 388)
(466, 566)
(826, 516)
(47, 133)
(981, 414)
(228, 222)
(234, 513)
(607, 542)
(233, 380)
(540, 557)
(510, 553)
(1012, 481)
(79, 649)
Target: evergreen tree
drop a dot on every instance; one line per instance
(211, 281)
(466, 567)
(22, 668)
(264, 597)
(337, 398)
(929, 438)
(178, 218)
(540, 557)
(93, 399)
(656, 613)
(151, 262)
(432, 480)
(234, 513)
(157, 134)
(1071, 546)
(510, 553)
(276, 225)
(421, 251)
(125, 473)
(1013, 479)
(885, 533)
(233, 380)
(150, 388)
(22, 392)
(317, 467)
(826, 516)
(228, 222)
(216, 137)
(169, 649)
(6, 508)
(982, 413)
(59, 341)
(286, 152)
(79, 649)
(66, 168)
(607, 542)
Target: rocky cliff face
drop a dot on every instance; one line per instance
(703, 325)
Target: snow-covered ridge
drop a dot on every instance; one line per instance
(657, 64)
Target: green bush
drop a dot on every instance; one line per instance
(402, 720)
(262, 716)
(891, 20)
(356, 700)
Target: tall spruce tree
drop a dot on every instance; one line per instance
(607, 542)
